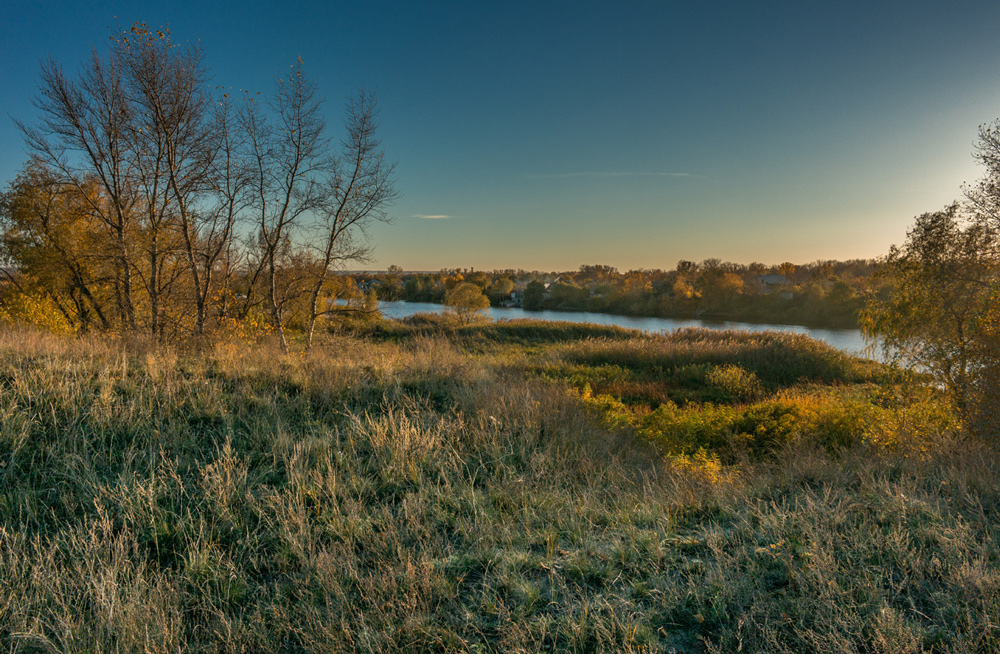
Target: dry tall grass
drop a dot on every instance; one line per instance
(428, 494)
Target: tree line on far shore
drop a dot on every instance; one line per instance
(827, 293)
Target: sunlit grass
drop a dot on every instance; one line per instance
(449, 488)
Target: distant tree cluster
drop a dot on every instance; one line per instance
(154, 203)
(825, 292)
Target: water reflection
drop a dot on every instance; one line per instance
(845, 340)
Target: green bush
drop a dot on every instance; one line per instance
(735, 382)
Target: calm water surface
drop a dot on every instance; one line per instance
(846, 340)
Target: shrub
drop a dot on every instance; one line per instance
(36, 310)
(735, 382)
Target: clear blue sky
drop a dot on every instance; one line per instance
(553, 134)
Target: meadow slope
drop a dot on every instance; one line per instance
(491, 488)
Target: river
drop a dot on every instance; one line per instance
(845, 340)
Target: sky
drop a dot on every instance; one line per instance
(546, 135)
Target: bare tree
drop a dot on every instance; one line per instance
(84, 133)
(173, 146)
(286, 160)
(359, 189)
(209, 234)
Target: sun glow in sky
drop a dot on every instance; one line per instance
(545, 135)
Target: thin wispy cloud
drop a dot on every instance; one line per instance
(435, 216)
(608, 174)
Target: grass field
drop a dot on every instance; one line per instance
(516, 487)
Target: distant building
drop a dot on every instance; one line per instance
(768, 283)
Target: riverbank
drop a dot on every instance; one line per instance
(504, 487)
